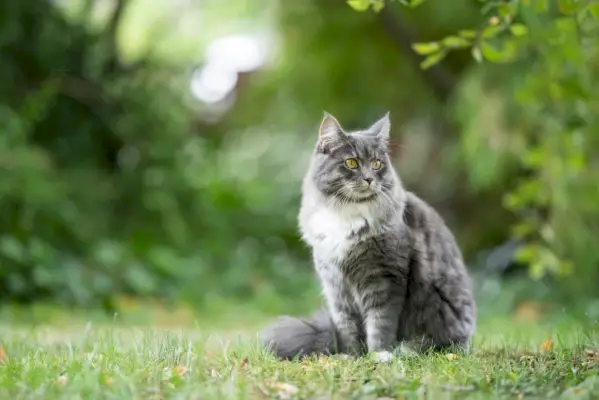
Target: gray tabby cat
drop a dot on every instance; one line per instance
(391, 271)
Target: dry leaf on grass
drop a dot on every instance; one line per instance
(177, 372)
(3, 356)
(284, 390)
(181, 370)
(546, 345)
(451, 356)
(60, 381)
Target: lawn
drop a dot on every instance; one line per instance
(515, 357)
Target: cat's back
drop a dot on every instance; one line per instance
(418, 214)
(430, 234)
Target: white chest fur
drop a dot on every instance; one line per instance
(332, 232)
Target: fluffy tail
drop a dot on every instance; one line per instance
(290, 337)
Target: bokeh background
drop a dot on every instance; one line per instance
(151, 152)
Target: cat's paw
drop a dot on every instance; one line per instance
(382, 356)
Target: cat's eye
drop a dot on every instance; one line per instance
(377, 164)
(351, 163)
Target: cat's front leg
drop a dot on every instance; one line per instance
(348, 325)
(345, 318)
(381, 323)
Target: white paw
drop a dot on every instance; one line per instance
(382, 356)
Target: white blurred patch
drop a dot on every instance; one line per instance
(227, 57)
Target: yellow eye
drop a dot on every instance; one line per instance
(351, 163)
(377, 164)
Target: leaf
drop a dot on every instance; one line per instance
(378, 5)
(505, 53)
(491, 31)
(456, 42)
(477, 55)
(244, 363)
(60, 381)
(284, 390)
(181, 370)
(3, 357)
(547, 344)
(426, 48)
(468, 34)
(519, 29)
(359, 5)
(411, 3)
(433, 59)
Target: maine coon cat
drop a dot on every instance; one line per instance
(391, 271)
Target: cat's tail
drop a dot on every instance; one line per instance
(290, 337)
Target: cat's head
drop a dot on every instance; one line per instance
(353, 167)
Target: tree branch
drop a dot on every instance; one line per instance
(112, 64)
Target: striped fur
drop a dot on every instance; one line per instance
(390, 269)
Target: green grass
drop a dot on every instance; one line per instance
(122, 362)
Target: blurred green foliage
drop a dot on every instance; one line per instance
(110, 186)
(113, 181)
(550, 107)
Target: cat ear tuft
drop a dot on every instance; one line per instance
(329, 126)
(382, 127)
(330, 132)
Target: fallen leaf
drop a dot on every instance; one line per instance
(284, 390)
(546, 345)
(181, 370)
(3, 356)
(61, 381)
(451, 356)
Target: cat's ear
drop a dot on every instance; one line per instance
(330, 131)
(329, 126)
(382, 127)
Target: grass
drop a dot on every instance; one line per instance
(534, 357)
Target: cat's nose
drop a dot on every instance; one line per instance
(368, 180)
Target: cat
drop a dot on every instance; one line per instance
(392, 274)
